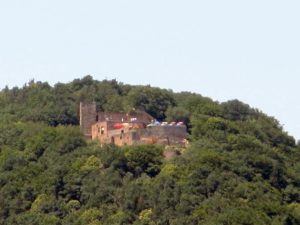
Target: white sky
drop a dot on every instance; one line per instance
(249, 50)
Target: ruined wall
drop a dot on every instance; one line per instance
(112, 116)
(165, 135)
(125, 117)
(106, 132)
(87, 118)
(127, 128)
(123, 139)
(100, 131)
(136, 133)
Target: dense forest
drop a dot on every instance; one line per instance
(239, 168)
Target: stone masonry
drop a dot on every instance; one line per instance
(128, 128)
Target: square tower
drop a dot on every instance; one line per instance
(88, 116)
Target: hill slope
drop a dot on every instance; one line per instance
(240, 168)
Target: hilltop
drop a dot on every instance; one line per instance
(240, 166)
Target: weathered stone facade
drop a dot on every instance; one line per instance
(128, 128)
(88, 115)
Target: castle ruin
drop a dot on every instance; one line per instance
(130, 128)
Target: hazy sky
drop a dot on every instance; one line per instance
(248, 50)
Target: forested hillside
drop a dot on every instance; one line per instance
(240, 166)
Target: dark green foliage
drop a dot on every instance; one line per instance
(240, 167)
(144, 159)
(178, 114)
(236, 110)
(155, 101)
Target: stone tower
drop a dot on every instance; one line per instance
(88, 116)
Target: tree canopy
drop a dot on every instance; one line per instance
(239, 168)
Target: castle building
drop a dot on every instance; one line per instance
(128, 128)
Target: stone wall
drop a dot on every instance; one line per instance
(165, 135)
(125, 117)
(127, 128)
(105, 132)
(87, 118)
(136, 133)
